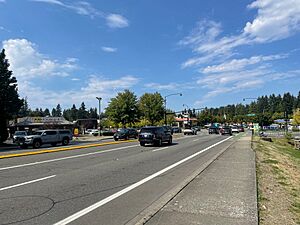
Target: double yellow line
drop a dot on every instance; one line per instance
(62, 149)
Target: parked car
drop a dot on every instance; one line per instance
(213, 130)
(155, 136)
(19, 134)
(225, 130)
(189, 131)
(176, 129)
(125, 134)
(94, 132)
(235, 129)
(197, 128)
(41, 137)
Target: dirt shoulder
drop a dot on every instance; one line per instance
(278, 175)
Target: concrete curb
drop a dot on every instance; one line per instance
(154, 208)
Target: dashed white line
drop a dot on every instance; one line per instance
(64, 158)
(28, 182)
(131, 187)
(196, 139)
(159, 149)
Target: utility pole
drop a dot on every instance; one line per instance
(99, 99)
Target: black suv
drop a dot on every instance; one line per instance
(125, 134)
(155, 136)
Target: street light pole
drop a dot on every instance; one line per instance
(165, 100)
(99, 99)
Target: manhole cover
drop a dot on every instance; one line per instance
(23, 208)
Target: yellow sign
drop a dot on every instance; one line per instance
(76, 132)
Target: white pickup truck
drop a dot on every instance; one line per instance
(41, 137)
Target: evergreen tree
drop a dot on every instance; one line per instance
(82, 113)
(73, 113)
(46, 112)
(53, 112)
(10, 103)
(24, 110)
(58, 111)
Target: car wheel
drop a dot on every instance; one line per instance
(65, 141)
(142, 144)
(159, 142)
(36, 144)
(170, 141)
(116, 139)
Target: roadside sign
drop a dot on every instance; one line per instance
(76, 132)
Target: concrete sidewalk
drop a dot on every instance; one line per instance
(224, 193)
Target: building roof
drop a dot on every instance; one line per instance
(40, 121)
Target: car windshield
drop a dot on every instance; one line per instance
(123, 131)
(148, 130)
(20, 133)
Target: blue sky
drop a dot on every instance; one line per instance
(214, 52)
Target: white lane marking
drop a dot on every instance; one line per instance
(68, 157)
(28, 182)
(159, 149)
(196, 139)
(131, 187)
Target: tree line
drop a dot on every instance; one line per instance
(71, 114)
(263, 110)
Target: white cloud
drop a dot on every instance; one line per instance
(108, 49)
(275, 20)
(238, 64)
(157, 86)
(116, 21)
(26, 62)
(84, 8)
(95, 86)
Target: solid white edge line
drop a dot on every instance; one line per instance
(68, 157)
(28, 182)
(159, 149)
(131, 187)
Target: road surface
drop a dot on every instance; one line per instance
(113, 184)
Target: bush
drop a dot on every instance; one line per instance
(288, 136)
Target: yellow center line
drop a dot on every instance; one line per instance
(62, 149)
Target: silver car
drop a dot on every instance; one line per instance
(19, 134)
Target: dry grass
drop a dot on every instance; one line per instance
(278, 173)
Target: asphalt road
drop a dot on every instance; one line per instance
(113, 184)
